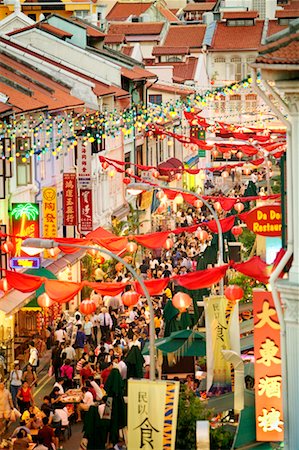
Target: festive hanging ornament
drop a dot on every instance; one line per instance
(126, 180)
(226, 155)
(131, 247)
(100, 259)
(93, 252)
(246, 171)
(178, 176)
(239, 207)
(119, 267)
(53, 251)
(111, 173)
(239, 155)
(225, 174)
(7, 247)
(130, 171)
(217, 206)
(105, 165)
(214, 153)
(234, 292)
(4, 286)
(130, 298)
(198, 204)
(155, 173)
(181, 301)
(179, 199)
(168, 244)
(237, 230)
(202, 235)
(160, 195)
(87, 307)
(44, 301)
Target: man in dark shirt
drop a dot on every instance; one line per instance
(46, 433)
(79, 342)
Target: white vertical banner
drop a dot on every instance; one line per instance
(234, 329)
(152, 414)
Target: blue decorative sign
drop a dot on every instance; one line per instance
(25, 262)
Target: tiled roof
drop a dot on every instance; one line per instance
(114, 39)
(282, 51)
(169, 16)
(184, 71)
(240, 15)
(121, 11)
(163, 50)
(171, 89)
(135, 29)
(91, 30)
(238, 37)
(288, 14)
(203, 6)
(28, 89)
(174, 10)
(185, 36)
(274, 27)
(137, 73)
(44, 27)
(127, 50)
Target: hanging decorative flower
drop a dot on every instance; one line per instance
(87, 307)
(181, 301)
(234, 292)
(130, 298)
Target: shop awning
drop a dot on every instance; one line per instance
(61, 263)
(14, 300)
(191, 162)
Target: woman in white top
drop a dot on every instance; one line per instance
(15, 381)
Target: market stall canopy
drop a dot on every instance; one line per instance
(172, 164)
(14, 300)
(183, 342)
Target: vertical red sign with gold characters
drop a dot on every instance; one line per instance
(268, 379)
(70, 199)
(86, 209)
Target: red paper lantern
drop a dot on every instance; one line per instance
(234, 292)
(239, 207)
(198, 203)
(155, 173)
(44, 301)
(4, 286)
(168, 244)
(225, 174)
(131, 247)
(239, 155)
(8, 247)
(237, 230)
(105, 165)
(181, 301)
(130, 171)
(215, 153)
(217, 206)
(178, 176)
(126, 180)
(87, 307)
(130, 298)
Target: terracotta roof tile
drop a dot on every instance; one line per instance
(135, 29)
(184, 71)
(137, 73)
(127, 50)
(114, 39)
(91, 31)
(288, 14)
(171, 89)
(164, 50)
(169, 16)
(121, 11)
(44, 27)
(274, 27)
(185, 36)
(237, 37)
(202, 6)
(282, 51)
(240, 15)
(174, 10)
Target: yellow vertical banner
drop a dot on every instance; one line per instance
(152, 414)
(217, 316)
(49, 205)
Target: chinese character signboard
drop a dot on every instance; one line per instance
(49, 202)
(86, 209)
(25, 263)
(264, 220)
(69, 199)
(152, 414)
(220, 323)
(84, 165)
(268, 380)
(25, 222)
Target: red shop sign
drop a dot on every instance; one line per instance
(265, 220)
(86, 209)
(70, 216)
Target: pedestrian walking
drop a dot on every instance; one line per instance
(24, 397)
(79, 342)
(33, 356)
(15, 379)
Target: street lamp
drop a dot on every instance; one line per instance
(42, 244)
(137, 188)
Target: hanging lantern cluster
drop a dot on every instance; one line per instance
(39, 321)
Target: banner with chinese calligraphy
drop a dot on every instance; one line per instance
(25, 222)
(218, 324)
(86, 209)
(84, 165)
(70, 199)
(49, 205)
(267, 369)
(152, 414)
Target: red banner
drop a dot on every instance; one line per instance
(268, 380)
(86, 209)
(70, 216)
